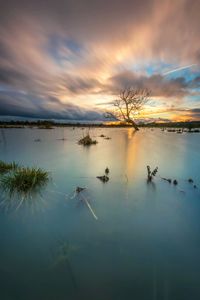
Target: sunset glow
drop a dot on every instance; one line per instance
(69, 60)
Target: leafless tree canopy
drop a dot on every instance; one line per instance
(129, 103)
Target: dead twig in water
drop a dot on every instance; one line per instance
(175, 183)
(90, 208)
(166, 179)
(78, 192)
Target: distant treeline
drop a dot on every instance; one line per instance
(188, 125)
(50, 124)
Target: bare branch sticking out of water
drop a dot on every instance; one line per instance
(175, 183)
(79, 192)
(151, 174)
(90, 208)
(166, 179)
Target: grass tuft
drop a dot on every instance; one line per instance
(7, 167)
(87, 141)
(24, 181)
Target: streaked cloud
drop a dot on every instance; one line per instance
(82, 52)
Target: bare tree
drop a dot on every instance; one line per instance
(130, 102)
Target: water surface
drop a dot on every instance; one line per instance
(146, 241)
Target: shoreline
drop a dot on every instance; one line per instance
(51, 125)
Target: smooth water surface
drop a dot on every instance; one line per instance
(145, 243)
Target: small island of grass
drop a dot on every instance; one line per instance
(87, 141)
(24, 181)
(21, 181)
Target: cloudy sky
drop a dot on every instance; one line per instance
(68, 59)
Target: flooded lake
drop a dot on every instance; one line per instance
(145, 240)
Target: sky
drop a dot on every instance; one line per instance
(69, 59)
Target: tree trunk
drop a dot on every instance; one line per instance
(133, 124)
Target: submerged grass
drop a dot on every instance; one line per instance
(24, 181)
(7, 167)
(63, 258)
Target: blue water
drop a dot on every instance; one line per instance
(145, 243)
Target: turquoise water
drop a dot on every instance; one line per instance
(145, 242)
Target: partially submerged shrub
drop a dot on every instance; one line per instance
(103, 178)
(179, 131)
(151, 174)
(79, 189)
(171, 130)
(87, 141)
(24, 181)
(107, 171)
(7, 167)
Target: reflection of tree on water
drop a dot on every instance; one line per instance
(130, 151)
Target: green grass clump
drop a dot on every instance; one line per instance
(24, 181)
(87, 141)
(7, 167)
